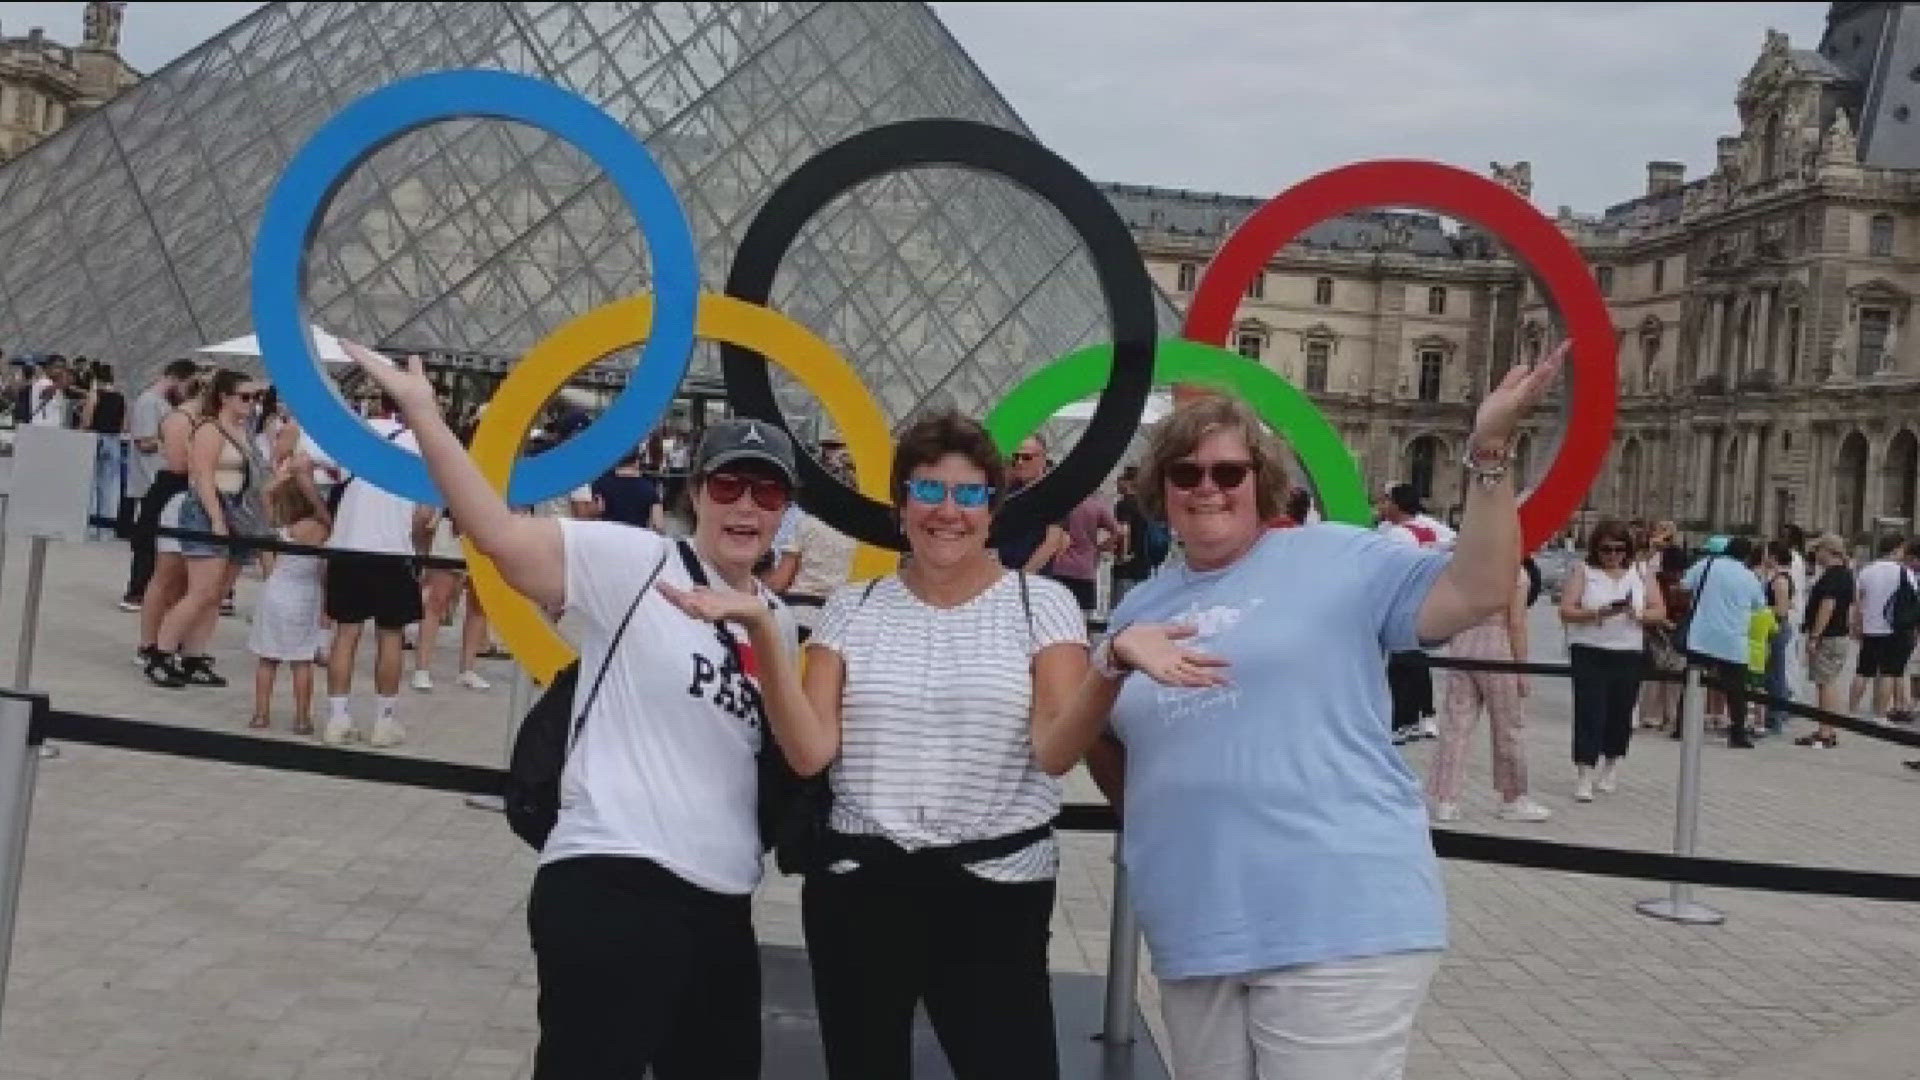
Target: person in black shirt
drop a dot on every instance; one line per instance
(1829, 605)
(1136, 563)
(104, 412)
(1035, 548)
(626, 496)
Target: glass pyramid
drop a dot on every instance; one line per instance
(128, 235)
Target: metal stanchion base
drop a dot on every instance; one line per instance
(1680, 911)
(48, 751)
(487, 802)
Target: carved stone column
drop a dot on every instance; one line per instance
(1760, 342)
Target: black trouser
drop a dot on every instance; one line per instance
(639, 968)
(889, 935)
(1410, 681)
(166, 484)
(1730, 679)
(1606, 688)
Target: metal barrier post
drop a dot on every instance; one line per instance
(1679, 905)
(18, 763)
(30, 613)
(519, 698)
(1123, 960)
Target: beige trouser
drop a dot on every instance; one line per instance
(1343, 1020)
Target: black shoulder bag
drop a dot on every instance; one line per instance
(547, 734)
(1684, 629)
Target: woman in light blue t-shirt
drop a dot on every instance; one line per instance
(1277, 843)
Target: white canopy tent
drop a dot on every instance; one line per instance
(1159, 404)
(248, 348)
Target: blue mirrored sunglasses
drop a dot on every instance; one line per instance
(969, 496)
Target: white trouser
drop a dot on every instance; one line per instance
(1343, 1020)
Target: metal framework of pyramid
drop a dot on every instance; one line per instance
(128, 235)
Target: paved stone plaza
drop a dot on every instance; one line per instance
(190, 921)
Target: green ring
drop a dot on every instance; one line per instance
(1330, 468)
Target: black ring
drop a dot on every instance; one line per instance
(1116, 261)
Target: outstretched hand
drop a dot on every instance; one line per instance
(1509, 403)
(715, 605)
(1153, 649)
(408, 386)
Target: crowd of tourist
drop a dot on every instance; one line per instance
(1281, 862)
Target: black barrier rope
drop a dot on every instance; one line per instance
(450, 776)
(270, 543)
(1866, 728)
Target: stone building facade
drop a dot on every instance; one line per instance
(1761, 313)
(44, 85)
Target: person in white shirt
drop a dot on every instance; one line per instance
(1883, 652)
(378, 585)
(640, 914)
(47, 399)
(1404, 520)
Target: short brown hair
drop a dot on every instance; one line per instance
(1179, 435)
(1607, 529)
(933, 437)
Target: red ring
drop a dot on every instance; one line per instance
(1458, 193)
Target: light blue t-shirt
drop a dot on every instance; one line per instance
(1721, 613)
(1272, 822)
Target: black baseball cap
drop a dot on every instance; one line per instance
(740, 439)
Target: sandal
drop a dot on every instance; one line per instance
(260, 722)
(303, 727)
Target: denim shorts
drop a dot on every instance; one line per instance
(240, 523)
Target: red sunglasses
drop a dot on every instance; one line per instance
(726, 489)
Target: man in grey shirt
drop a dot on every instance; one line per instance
(146, 464)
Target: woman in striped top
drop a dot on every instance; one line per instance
(935, 698)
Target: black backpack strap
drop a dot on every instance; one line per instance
(613, 646)
(1026, 604)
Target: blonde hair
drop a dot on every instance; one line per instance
(1181, 433)
(287, 503)
(1828, 542)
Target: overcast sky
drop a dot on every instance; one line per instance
(1247, 98)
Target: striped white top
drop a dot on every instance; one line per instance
(936, 742)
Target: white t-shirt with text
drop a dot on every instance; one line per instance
(665, 766)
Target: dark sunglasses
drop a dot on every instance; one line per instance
(1227, 475)
(968, 496)
(1020, 456)
(726, 489)
(1613, 549)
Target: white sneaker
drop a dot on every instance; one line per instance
(387, 732)
(472, 681)
(1583, 789)
(1524, 809)
(1609, 781)
(1429, 729)
(1445, 812)
(423, 681)
(338, 730)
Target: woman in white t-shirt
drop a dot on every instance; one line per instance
(1606, 605)
(936, 698)
(640, 917)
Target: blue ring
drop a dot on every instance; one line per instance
(299, 203)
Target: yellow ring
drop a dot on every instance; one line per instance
(623, 324)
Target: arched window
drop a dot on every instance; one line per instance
(1437, 300)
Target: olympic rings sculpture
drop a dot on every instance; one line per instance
(666, 323)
